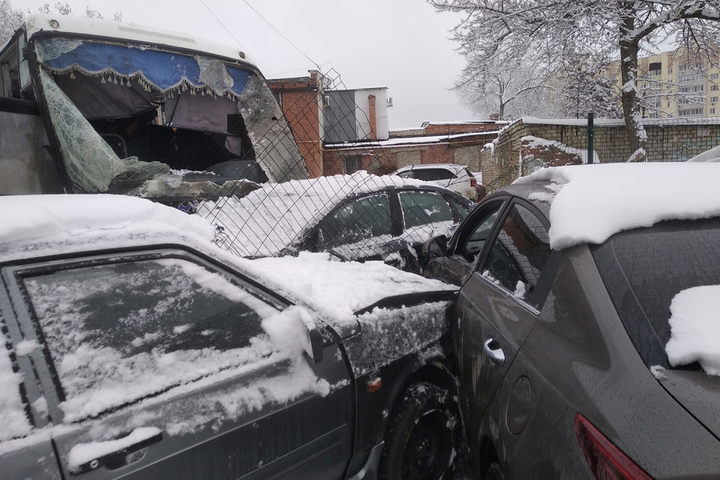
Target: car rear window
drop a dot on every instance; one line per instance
(432, 174)
(645, 269)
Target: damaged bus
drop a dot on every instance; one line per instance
(89, 106)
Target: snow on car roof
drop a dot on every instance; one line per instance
(41, 225)
(596, 201)
(129, 31)
(41, 217)
(270, 219)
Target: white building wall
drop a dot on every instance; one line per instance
(362, 113)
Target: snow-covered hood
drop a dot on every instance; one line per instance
(593, 202)
(273, 218)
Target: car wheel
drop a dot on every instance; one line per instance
(494, 472)
(422, 436)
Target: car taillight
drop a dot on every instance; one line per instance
(606, 461)
(473, 182)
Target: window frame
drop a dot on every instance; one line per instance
(45, 373)
(402, 193)
(548, 272)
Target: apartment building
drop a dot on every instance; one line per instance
(672, 85)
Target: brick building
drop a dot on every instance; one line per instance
(342, 131)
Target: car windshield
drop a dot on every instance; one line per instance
(136, 111)
(645, 269)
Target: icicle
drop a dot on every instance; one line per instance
(102, 80)
(72, 75)
(115, 81)
(128, 83)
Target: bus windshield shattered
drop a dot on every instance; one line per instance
(138, 119)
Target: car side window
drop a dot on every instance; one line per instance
(471, 243)
(362, 219)
(421, 208)
(123, 331)
(461, 209)
(518, 254)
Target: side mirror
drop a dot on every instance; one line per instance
(314, 345)
(435, 247)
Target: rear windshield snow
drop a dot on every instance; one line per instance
(646, 269)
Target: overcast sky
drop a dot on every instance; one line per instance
(399, 44)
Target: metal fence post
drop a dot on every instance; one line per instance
(590, 135)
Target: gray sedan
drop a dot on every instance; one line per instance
(561, 352)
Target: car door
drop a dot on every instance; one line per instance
(160, 365)
(499, 303)
(361, 229)
(466, 247)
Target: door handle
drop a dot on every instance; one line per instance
(494, 351)
(85, 457)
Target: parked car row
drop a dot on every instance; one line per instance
(566, 324)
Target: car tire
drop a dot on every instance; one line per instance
(422, 438)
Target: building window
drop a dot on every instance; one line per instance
(691, 112)
(713, 88)
(353, 164)
(712, 111)
(713, 99)
(714, 76)
(670, 71)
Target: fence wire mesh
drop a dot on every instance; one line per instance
(343, 202)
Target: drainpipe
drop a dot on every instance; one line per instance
(373, 117)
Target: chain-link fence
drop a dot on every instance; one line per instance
(355, 214)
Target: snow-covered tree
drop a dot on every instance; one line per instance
(508, 86)
(555, 27)
(582, 86)
(10, 20)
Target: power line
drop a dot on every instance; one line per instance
(223, 25)
(283, 36)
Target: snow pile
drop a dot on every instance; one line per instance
(272, 218)
(532, 142)
(712, 155)
(695, 328)
(597, 201)
(339, 289)
(27, 217)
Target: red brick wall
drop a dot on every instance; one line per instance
(300, 103)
